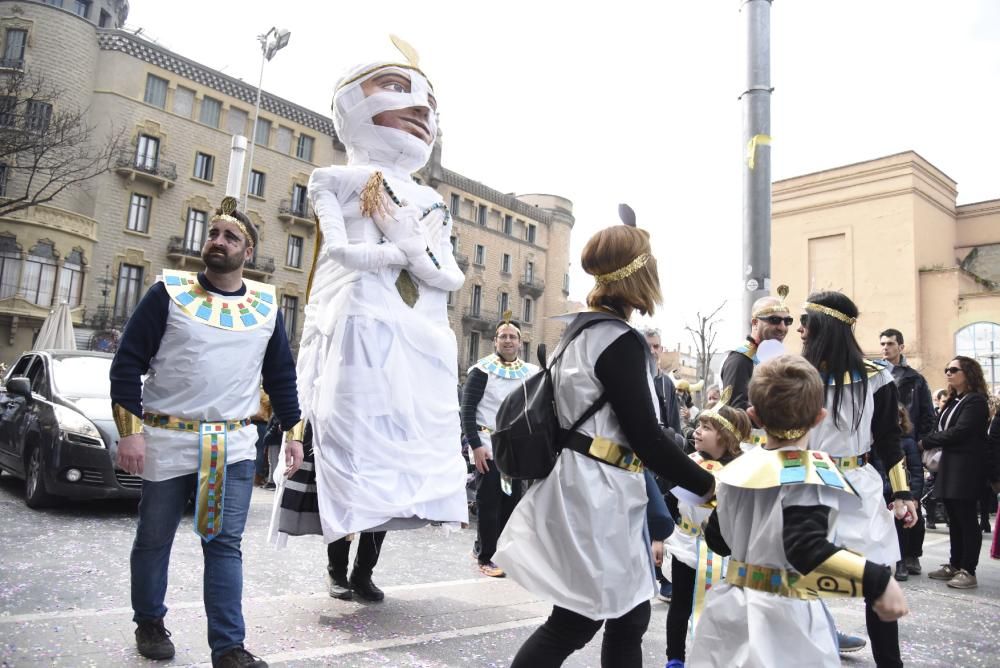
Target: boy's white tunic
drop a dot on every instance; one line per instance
(378, 378)
(742, 627)
(578, 538)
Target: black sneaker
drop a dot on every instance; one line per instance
(238, 657)
(339, 587)
(913, 565)
(901, 574)
(152, 640)
(367, 590)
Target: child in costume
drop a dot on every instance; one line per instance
(777, 507)
(694, 567)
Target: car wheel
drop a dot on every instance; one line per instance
(35, 495)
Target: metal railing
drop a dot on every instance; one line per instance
(297, 209)
(129, 160)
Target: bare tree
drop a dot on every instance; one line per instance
(703, 334)
(46, 144)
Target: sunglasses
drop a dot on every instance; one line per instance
(952, 370)
(804, 319)
(777, 320)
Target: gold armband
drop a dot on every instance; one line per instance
(840, 575)
(296, 433)
(126, 422)
(898, 479)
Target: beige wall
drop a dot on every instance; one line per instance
(904, 237)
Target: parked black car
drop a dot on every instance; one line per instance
(56, 428)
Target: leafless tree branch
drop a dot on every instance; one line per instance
(47, 145)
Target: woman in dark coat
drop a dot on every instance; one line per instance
(961, 435)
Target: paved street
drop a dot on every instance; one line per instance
(64, 600)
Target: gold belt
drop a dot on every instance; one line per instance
(816, 585)
(688, 527)
(183, 424)
(852, 462)
(610, 452)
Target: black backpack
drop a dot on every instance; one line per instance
(528, 437)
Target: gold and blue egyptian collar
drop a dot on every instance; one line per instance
(495, 365)
(237, 312)
(749, 349)
(763, 469)
(872, 369)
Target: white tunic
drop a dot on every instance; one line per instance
(746, 628)
(378, 379)
(496, 390)
(869, 529)
(201, 372)
(578, 538)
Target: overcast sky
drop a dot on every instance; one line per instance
(637, 101)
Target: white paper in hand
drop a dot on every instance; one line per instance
(770, 349)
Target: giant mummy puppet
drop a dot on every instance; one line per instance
(377, 360)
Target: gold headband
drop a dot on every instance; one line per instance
(780, 307)
(626, 271)
(235, 221)
(833, 313)
(709, 414)
(507, 323)
(787, 434)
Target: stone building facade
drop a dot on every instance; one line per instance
(889, 233)
(100, 247)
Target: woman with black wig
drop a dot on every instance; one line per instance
(862, 404)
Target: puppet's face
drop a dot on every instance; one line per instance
(418, 121)
(386, 114)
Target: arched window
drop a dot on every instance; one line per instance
(10, 265)
(981, 341)
(71, 279)
(38, 279)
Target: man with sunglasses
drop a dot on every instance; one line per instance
(771, 320)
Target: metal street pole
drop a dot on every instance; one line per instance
(253, 135)
(270, 43)
(757, 160)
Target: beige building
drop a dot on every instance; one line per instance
(888, 233)
(100, 247)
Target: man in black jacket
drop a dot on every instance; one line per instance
(915, 395)
(666, 393)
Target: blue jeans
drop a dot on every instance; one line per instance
(160, 513)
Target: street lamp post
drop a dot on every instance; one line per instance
(271, 42)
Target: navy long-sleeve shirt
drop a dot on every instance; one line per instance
(141, 341)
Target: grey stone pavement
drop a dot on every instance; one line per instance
(64, 600)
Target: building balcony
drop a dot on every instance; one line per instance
(477, 318)
(133, 167)
(12, 64)
(189, 259)
(294, 211)
(462, 260)
(530, 285)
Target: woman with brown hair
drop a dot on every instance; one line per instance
(578, 537)
(961, 435)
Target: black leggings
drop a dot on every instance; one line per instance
(965, 532)
(681, 605)
(369, 547)
(564, 632)
(884, 637)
